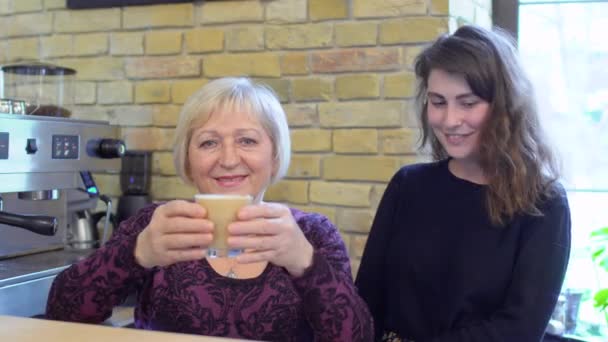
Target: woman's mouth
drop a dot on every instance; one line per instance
(456, 139)
(230, 181)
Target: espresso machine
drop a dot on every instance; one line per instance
(46, 191)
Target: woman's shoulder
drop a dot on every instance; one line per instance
(307, 219)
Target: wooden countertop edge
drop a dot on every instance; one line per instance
(22, 329)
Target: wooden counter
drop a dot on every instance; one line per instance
(20, 329)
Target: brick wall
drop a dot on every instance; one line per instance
(342, 69)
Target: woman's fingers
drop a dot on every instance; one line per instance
(263, 210)
(255, 256)
(186, 241)
(180, 225)
(182, 208)
(255, 227)
(255, 242)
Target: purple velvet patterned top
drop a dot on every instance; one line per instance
(190, 297)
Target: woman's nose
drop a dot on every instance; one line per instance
(229, 156)
(453, 117)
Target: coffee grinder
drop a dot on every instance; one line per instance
(135, 176)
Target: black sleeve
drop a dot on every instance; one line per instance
(371, 278)
(538, 274)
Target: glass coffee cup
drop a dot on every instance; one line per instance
(222, 209)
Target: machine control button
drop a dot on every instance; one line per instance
(66, 147)
(111, 148)
(31, 147)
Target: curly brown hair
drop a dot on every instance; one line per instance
(520, 167)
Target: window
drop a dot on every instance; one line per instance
(563, 47)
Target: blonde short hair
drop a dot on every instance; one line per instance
(238, 94)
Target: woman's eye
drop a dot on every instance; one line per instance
(469, 104)
(437, 103)
(247, 141)
(207, 143)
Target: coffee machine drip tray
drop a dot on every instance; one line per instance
(25, 281)
(21, 251)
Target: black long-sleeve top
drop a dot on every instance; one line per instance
(435, 269)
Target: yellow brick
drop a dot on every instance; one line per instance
(360, 168)
(54, 4)
(346, 239)
(26, 24)
(294, 63)
(355, 220)
(400, 85)
(412, 30)
(327, 9)
(245, 38)
(152, 92)
(130, 115)
(27, 5)
(354, 264)
(345, 194)
(204, 40)
(231, 11)
(286, 11)
(87, 20)
(56, 46)
(108, 184)
(181, 90)
(357, 86)
(328, 212)
(312, 89)
(20, 49)
(170, 188)
(301, 114)
(163, 67)
(355, 140)
(304, 166)
(377, 193)
(361, 114)
(115, 92)
(165, 115)
(84, 92)
(288, 191)
(163, 164)
(176, 15)
(147, 138)
(127, 43)
(6, 7)
(281, 87)
(399, 141)
(246, 64)
(310, 140)
(299, 36)
(163, 42)
(410, 53)
(356, 33)
(90, 44)
(358, 245)
(388, 8)
(440, 7)
(98, 68)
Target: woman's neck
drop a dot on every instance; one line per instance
(468, 170)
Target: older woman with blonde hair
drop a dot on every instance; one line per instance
(292, 283)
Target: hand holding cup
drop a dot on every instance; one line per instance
(178, 231)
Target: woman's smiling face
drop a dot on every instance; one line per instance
(231, 154)
(456, 115)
